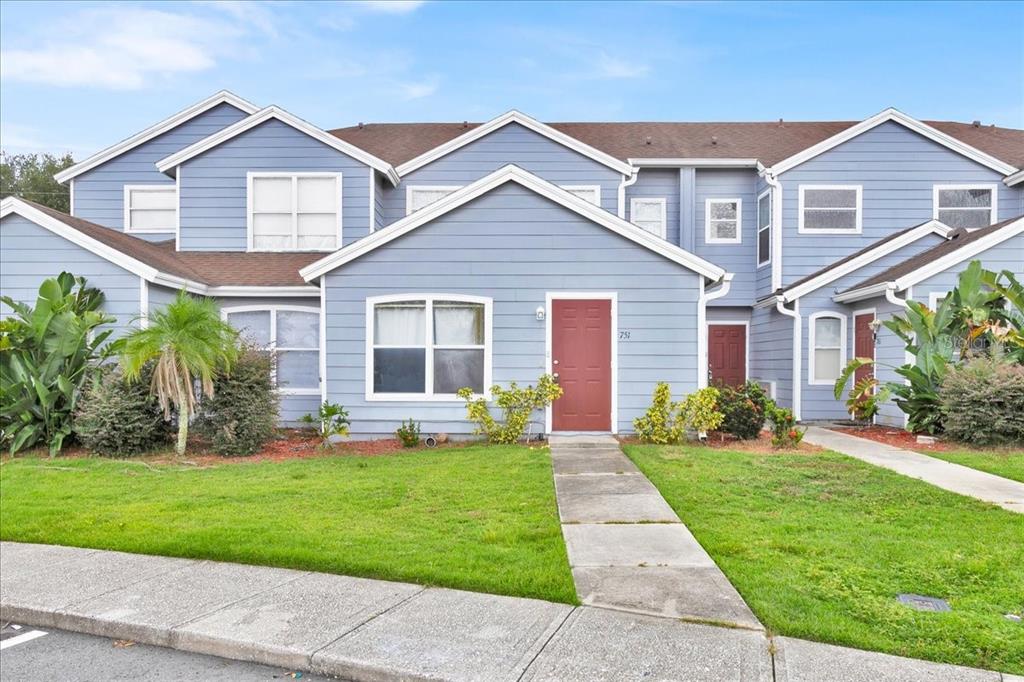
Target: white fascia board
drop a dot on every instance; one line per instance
(222, 97)
(906, 121)
(923, 230)
(1014, 179)
(522, 119)
(275, 291)
(273, 112)
(695, 162)
(511, 173)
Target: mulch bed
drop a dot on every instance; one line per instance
(896, 437)
(724, 441)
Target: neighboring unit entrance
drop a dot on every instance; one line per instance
(581, 360)
(727, 354)
(863, 343)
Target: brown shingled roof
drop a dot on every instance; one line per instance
(769, 142)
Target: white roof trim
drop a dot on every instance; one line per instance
(511, 173)
(854, 264)
(1014, 179)
(222, 97)
(170, 162)
(907, 121)
(522, 119)
(938, 265)
(697, 162)
(228, 290)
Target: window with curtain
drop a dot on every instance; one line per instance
(722, 220)
(764, 228)
(431, 346)
(828, 348)
(968, 206)
(292, 335)
(648, 214)
(294, 211)
(150, 208)
(420, 196)
(830, 209)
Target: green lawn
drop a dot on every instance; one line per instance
(820, 544)
(475, 518)
(1005, 463)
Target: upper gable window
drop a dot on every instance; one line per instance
(150, 208)
(591, 193)
(648, 214)
(967, 206)
(722, 221)
(294, 211)
(830, 209)
(764, 228)
(420, 196)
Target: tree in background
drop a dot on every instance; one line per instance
(30, 176)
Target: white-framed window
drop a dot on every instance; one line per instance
(827, 344)
(292, 334)
(648, 213)
(723, 221)
(764, 228)
(150, 208)
(427, 346)
(420, 196)
(969, 206)
(294, 211)
(591, 193)
(935, 299)
(830, 209)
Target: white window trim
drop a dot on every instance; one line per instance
(273, 348)
(412, 189)
(992, 187)
(429, 396)
(596, 189)
(758, 229)
(934, 296)
(158, 187)
(294, 176)
(635, 201)
(709, 237)
(811, 348)
(859, 210)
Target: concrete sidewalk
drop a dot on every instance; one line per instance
(953, 477)
(375, 630)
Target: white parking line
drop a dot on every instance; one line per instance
(20, 639)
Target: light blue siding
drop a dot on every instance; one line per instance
(658, 183)
(213, 184)
(1006, 256)
(99, 193)
(771, 352)
(890, 353)
(897, 169)
(513, 144)
(30, 253)
(729, 183)
(513, 246)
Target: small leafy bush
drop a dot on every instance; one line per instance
(516, 405)
(785, 434)
(330, 420)
(666, 422)
(240, 416)
(409, 433)
(699, 410)
(743, 409)
(115, 418)
(983, 402)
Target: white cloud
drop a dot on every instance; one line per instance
(23, 139)
(426, 88)
(392, 6)
(612, 67)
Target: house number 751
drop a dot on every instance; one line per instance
(623, 335)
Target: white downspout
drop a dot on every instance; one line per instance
(798, 337)
(626, 182)
(891, 297)
(702, 327)
(908, 357)
(773, 182)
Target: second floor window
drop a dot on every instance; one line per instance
(722, 220)
(764, 228)
(420, 196)
(830, 209)
(294, 211)
(648, 214)
(150, 208)
(967, 206)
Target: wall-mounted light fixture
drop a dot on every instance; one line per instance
(540, 313)
(875, 325)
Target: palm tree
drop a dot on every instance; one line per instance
(189, 340)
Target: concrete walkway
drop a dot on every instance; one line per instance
(628, 550)
(373, 630)
(953, 477)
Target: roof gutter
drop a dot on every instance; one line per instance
(798, 335)
(626, 182)
(1014, 179)
(891, 297)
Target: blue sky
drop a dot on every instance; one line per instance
(80, 76)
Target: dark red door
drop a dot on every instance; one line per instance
(863, 343)
(727, 354)
(581, 357)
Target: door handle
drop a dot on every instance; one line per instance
(555, 377)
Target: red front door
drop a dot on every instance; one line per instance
(863, 343)
(581, 358)
(727, 354)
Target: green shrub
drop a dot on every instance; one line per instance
(666, 422)
(699, 411)
(743, 409)
(241, 414)
(409, 433)
(516, 404)
(119, 419)
(983, 402)
(785, 434)
(330, 421)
